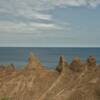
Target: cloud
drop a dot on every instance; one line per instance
(39, 9)
(43, 26)
(23, 27)
(8, 26)
(28, 21)
(76, 3)
(35, 8)
(24, 8)
(42, 16)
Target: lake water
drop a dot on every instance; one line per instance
(48, 56)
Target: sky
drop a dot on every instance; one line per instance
(49, 23)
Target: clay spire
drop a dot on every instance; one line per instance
(62, 64)
(76, 65)
(91, 61)
(33, 62)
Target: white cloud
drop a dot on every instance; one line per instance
(39, 22)
(42, 16)
(7, 26)
(24, 8)
(34, 8)
(43, 26)
(22, 27)
(91, 3)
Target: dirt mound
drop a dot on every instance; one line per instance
(77, 65)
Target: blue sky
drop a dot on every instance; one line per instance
(49, 23)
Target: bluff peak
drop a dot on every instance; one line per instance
(91, 61)
(61, 64)
(33, 62)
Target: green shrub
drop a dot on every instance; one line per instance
(5, 98)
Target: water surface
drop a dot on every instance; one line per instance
(48, 56)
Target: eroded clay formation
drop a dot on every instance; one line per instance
(76, 81)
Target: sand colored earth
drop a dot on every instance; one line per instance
(76, 81)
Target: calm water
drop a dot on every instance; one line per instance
(48, 56)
